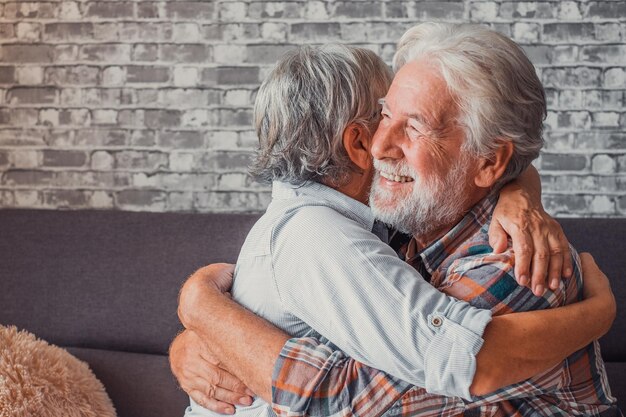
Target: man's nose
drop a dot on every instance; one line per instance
(386, 143)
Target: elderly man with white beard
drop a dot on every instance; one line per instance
(463, 116)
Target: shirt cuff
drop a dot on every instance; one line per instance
(450, 359)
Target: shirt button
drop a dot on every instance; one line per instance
(436, 321)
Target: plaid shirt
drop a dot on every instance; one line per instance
(313, 377)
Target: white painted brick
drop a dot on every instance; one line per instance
(25, 159)
(69, 10)
(104, 117)
(185, 76)
(603, 164)
(274, 31)
(569, 10)
(237, 98)
(227, 54)
(112, 76)
(181, 161)
(615, 78)
(602, 204)
(101, 200)
(27, 198)
(316, 10)
(28, 32)
(186, 32)
(29, 75)
(102, 161)
(49, 117)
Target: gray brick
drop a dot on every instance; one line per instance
(230, 76)
(7, 75)
(55, 158)
(613, 54)
(72, 75)
(147, 74)
(183, 98)
(240, 31)
(524, 9)
(101, 137)
(359, 9)
(195, 10)
(265, 54)
(162, 118)
(147, 10)
(232, 11)
(143, 138)
(7, 30)
(21, 178)
(141, 199)
(274, 9)
(109, 10)
(186, 53)
(564, 204)
(572, 77)
(139, 160)
(145, 52)
(117, 53)
(65, 198)
(439, 10)
(4, 158)
(239, 117)
(604, 9)
(224, 161)
(68, 31)
(563, 162)
(29, 10)
(227, 201)
(26, 53)
(568, 32)
(181, 139)
(211, 32)
(397, 9)
(315, 32)
(32, 95)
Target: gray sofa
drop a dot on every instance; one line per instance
(104, 284)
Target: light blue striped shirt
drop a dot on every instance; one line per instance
(313, 262)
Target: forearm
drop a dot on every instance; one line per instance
(246, 345)
(518, 346)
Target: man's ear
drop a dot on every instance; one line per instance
(357, 141)
(490, 170)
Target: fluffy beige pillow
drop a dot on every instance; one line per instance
(38, 379)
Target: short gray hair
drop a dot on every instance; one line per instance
(306, 103)
(493, 82)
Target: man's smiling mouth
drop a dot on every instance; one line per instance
(393, 177)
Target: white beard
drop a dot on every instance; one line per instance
(432, 203)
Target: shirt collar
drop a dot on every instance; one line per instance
(470, 224)
(347, 206)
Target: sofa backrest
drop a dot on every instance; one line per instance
(109, 279)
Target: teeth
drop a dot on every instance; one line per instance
(396, 178)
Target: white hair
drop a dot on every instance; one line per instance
(306, 103)
(493, 82)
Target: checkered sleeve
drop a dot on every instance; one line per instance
(314, 378)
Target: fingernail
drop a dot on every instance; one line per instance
(245, 400)
(523, 280)
(229, 410)
(567, 272)
(539, 290)
(554, 283)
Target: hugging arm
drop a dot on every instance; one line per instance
(248, 346)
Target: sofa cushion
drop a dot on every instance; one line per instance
(140, 385)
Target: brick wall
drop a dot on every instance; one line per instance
(142, 105)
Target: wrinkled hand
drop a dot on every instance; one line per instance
(199, 375)
(538, 240)
(199, 287)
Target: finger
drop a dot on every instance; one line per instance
(498, 238)
(211, 403)
(231, 397)
(523, 248)
(541, 259)
(555, 268)
(224, 379)
(568, 266)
